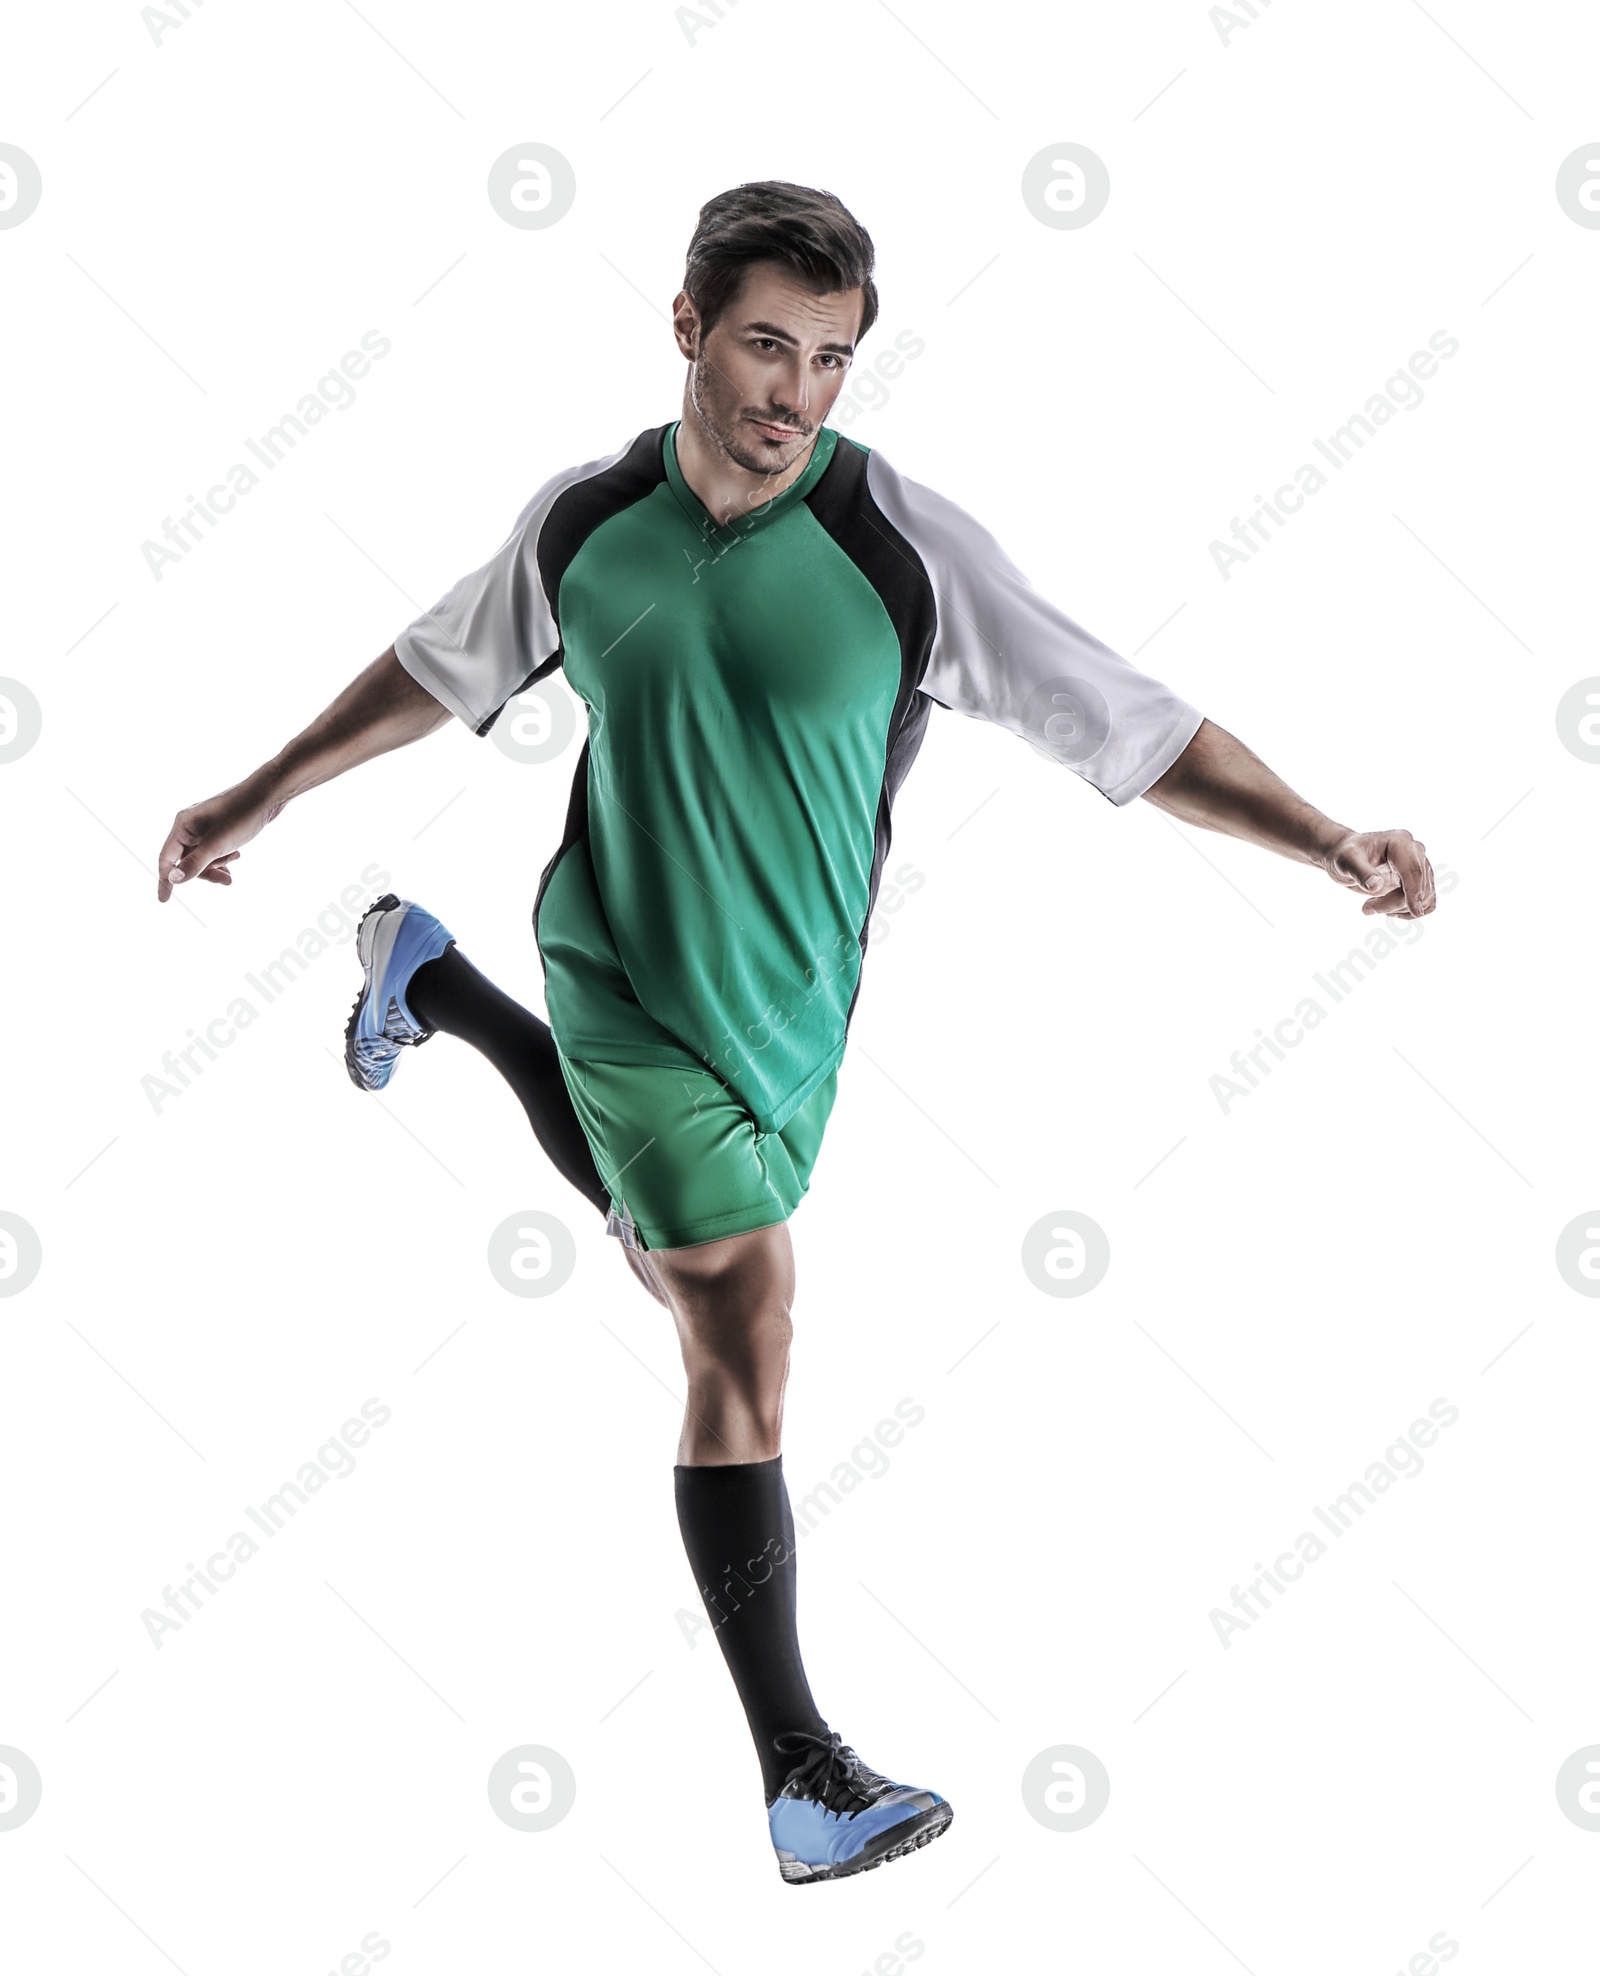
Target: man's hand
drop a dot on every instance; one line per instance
(1219, 784)
(1389, 866)
(205, 838)
(381, 708)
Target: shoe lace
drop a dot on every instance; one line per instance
(828, 1770)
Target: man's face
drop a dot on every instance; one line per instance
(766, 375)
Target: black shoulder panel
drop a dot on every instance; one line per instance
(575, 514)
(842, 502)
(578, 511)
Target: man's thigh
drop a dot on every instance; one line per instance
(685, 1158)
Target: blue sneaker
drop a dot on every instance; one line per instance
(394, 939)
(835, 1817)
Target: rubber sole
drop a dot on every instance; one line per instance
(899, 1840)
(364, 953)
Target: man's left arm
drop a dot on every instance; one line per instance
(1003, 652)
(1219, 784)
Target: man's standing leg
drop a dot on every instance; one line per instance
(828, 1813)
(730, 1301)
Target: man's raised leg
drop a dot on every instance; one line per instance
(449, 994)
(417, 982)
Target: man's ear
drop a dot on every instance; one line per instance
(686, 324)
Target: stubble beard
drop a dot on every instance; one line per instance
(728, 434)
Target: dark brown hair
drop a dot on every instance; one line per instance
(811, 233)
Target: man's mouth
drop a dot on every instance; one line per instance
(777, 431)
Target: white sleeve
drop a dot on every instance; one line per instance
(485, 637)
(1004, 653)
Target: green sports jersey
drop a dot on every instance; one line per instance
(755, 694)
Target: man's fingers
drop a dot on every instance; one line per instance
(1357, 865)
(1407, 879)
(1395, 905)
(172, 852)
(1414, 872)
(196, 864)
(1392, 868)
(183, 860)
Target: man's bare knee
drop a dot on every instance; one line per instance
(753, 1267)
(714, 1285)
(730, 1300)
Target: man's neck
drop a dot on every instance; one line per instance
(725, 489)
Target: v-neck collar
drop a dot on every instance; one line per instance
(764, 512)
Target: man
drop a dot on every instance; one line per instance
(759, 616)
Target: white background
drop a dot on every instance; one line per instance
(1292, 1281)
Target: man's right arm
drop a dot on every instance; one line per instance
(381, 709)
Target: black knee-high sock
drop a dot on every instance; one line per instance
(739, 1533)
(450, 994)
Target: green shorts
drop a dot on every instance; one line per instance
(683, 1158)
